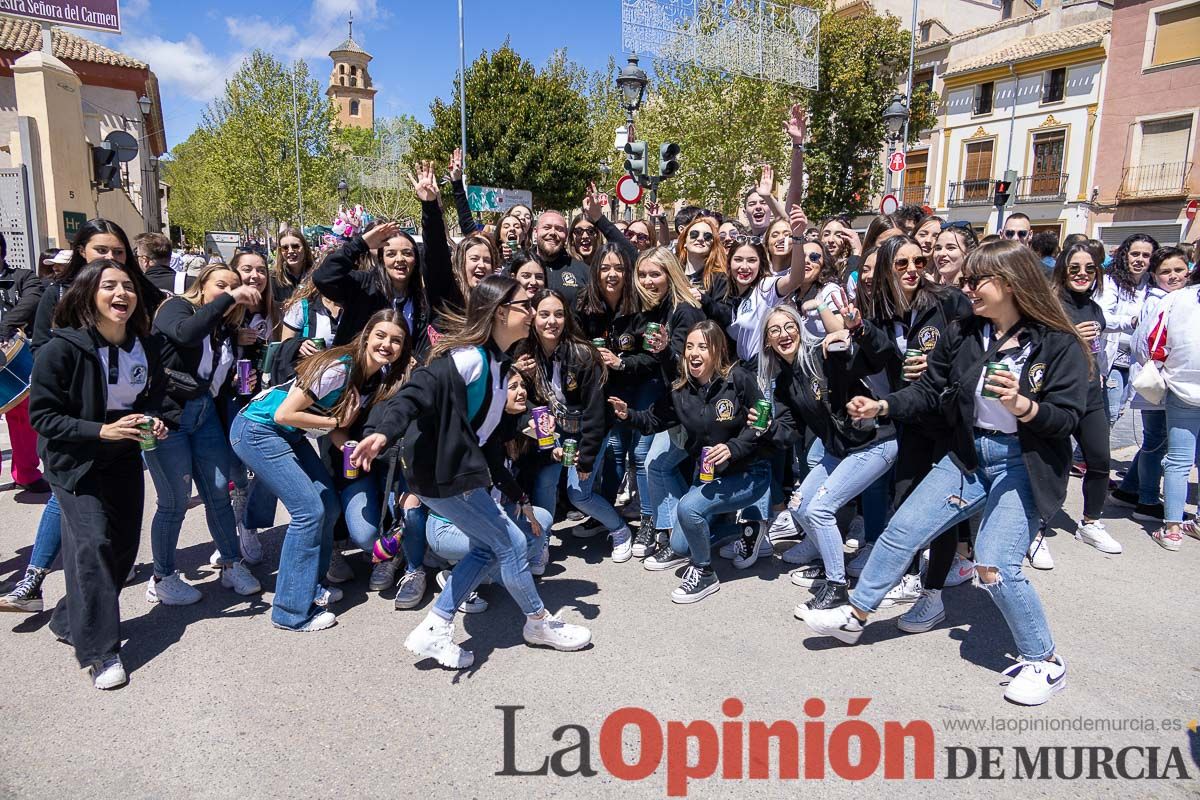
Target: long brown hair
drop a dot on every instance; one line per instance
(77, 308)
(310, 370)
(269, 312)
(714, 264)
(459, 260)
(474, 328)
(280, 269)
(714, 337)
(195, 294)
(1018, 266)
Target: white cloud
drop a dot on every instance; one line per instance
(132, 9)
(258, 32)
(186, 66)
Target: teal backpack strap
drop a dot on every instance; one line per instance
(477, 389)
(305, 316)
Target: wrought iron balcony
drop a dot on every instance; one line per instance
(1049, 187)
(1155, 181)
(913, 195)
(972, 193)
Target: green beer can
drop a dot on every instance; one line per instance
(992, 368)
(763, 409)
(570, 451)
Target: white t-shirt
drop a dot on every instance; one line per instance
(294, 318)
(749, 314)
(129, 379)
(471, 365)
(812, 321)
(224, 364)
(989, 412)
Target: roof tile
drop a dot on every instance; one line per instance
(22, 35)
(1074, 37)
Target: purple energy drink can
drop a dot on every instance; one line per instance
(243, 368)
(543, 426)
(349, 471)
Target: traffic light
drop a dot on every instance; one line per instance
(106, 166)
(635, 165)
(1001, 198)
(668, 159)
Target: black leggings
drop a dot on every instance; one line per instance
(1092, 434)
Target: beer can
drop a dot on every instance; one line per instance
(243, 368)
(317, 343)
(911, 353)
(570, 451)
(598, 343)
(349, 470)
(763, 409)
(992, 368)
(542, 427)
(707, 470)
(147, 440)
(652, 329)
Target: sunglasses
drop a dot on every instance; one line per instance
(972, 282)
(742, 238)
(961, 224)
(290, 247)
(813, 258)
(582, 231)
(525, 306)
(633, 236)
(902, 263)
(1075, 269)
(1022, 235)
(695, 235)
(775, 331)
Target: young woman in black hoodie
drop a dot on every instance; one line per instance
(443, 420)
(197, 330)
(1079, 279)
(710, 399)
(571, 376)
(93, 384)
(1012, 382)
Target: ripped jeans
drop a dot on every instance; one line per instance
(999, 487)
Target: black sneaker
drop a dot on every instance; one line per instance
(665, 558)
(1120, 497)
(645, 543)
(698, 583)
(1152, 512)
(830, 595)
(26, 596)
(575, 516)
(809, 575)
(748, 548)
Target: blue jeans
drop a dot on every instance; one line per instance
(1145, 471)
(663, 478)
(48, 540)
(495, 540)
(704, 501)
(544, 493)
(1183, 429)
(1116, 393)
(623, 441)
(199, 450)
(1000, 487)
(288, 465)
(361, 501)
(583, 496)
(831, 483)
(876, 502)
(449, 543)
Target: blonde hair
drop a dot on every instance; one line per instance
(195, 293)
(678, 288)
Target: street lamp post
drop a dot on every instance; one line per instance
(632, 82)
(895, 117)
(149, 168)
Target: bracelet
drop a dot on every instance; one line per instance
(799, 148)
(884, 408)
(1028, 413)
(799, 239)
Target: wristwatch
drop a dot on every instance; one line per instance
(798, 147)
(883, 408)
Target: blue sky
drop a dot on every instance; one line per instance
(193, 46)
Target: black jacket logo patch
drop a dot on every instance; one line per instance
(816, 388)
(568, 279)
(137, 376)
(928, 338)
(625, 341)
(572, 382)
(1037, 376)
(724, 410)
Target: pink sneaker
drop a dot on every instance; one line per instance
(1166, 539)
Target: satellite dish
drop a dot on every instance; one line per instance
(125, 145)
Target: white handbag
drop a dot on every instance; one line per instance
(1149, 382)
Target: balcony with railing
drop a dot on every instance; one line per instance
(1155, 181)
(1050, 187)
(971, 193)
(913, 195)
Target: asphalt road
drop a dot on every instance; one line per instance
(220, 704)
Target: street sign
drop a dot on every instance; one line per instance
(72, 222)
(628, 190)
(489, 198)
(100, 15)
(896, 161)
(888, 204)
(1190, 209)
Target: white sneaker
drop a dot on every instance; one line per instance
(802, 552)
(1094, 533)
(321, 621)
(237, 577)
(473, 604)
(840, 623)
(859, 562)
(927, 612)
(327, 596)
(110, 674)
(434, 638)
(171, 591)
(1035, 682)
(250, 545)
(783, 526)
(1039, 553)
(553, 632)
(622, 544)
(904, 592)
(857, 533)
(961, 570)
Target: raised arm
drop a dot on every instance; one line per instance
(594, 203)
(797, 130)
(466, 222)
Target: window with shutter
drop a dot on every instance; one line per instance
(915, 175)
(978, 170)
(1054, 85)
(1176, 35)
(1165, 141)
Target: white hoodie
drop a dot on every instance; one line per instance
(1121, 313)
(1180, 311)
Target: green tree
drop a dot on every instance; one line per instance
(526, 129)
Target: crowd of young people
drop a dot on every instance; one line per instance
(439, 405)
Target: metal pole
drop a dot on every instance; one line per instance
(912, 57)
(296, 127)
(462, 90)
